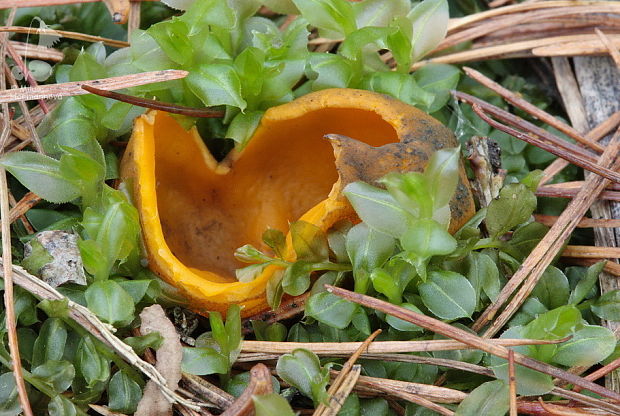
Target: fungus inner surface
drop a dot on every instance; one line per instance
(286, 169)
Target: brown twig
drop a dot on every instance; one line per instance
(535, 408)
(592, 252)
(27, 74)
(23, 205)
(406, 390)
(69, 89)
(588, 45)
(583, 44)
(596, 134)
(531, 109)
(338, 396)
(569, 152)
(34, 136)
(260, 383)
(601, 372)
(585, 222)
(135, 13)
(468, 338)
(512, 383)
(517, 8)
(64, 34)
(334, 404)
(557, 192)
(536, 263)
(207, 391)
(613, 49)
(378, 347)
(155, 105)
(512, 20)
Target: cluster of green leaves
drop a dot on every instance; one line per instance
(402, 253)
(247, 64)
(216, 350)
(66, 366)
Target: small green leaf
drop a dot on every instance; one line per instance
(513, 207)
(552, 288)
(438, 79)
(61, 406)
(57, 374)
(386, 284)
(296, 278)
(367, 249)
(430, 25)
(379, 12)
(302, 370)
(123, 393)
(203, 361)
(9, 400)
(110, 302)
(483, 275)
(50, 343)
(330, 71)
(442, 174)
(93, 367)
(217, 84)
(139, 344)
(585, 285)
(309, 242)
(608, 306)
(490, 398)
(334, 18)
(401, 325)
(242, 127)
(426, 238)
(448, 295)
(588, 346)
(377, 208)
(41, 174)
(276, 240)
(330, 309)
(272, 404)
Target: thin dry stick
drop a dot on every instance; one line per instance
(522, 7)
(592, 252)
(536, 136)
(601, 372)
(585, 222)
(346, 368)
(155, 105)
(473, 340)
(23, 205)
(64, 34)
(596, 134)
(37, 51)
(613, 50)
(69, 89)
(585, 46)
(531, 109)
(5, 227)
(512, 20)
(536, 47)
(577, 158)
(397, 388)
(134, 17)
(541, 257)
(378, 347)
(512, 383)
(558, 192)
(340, 394)
(27, 75)
(34, 136)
